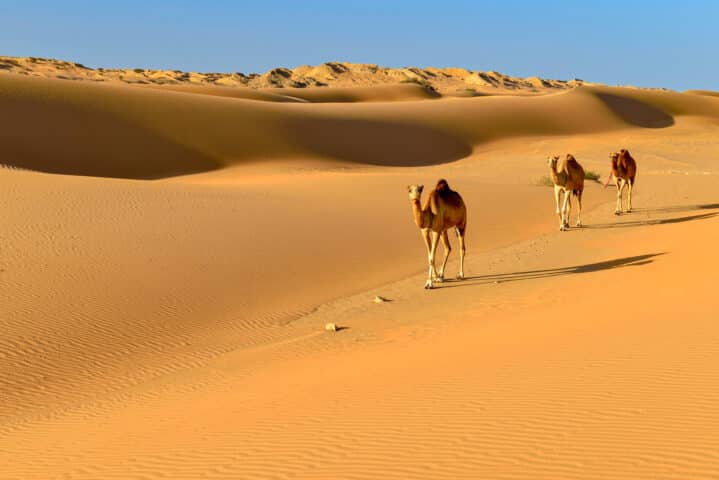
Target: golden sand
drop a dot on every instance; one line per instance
(169, 260)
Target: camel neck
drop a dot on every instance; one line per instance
(419, 215)
(555, 175)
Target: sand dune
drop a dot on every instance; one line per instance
(67, 127)
(314, 95)
(174, 328)
(336, 74)
(375, 93)
(704, 92)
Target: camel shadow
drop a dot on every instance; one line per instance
(635, 261)
(678, 208)
(658, 221)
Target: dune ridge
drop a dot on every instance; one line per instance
(340, 74)
(120, 131)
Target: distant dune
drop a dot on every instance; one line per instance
(709, 93)
(338, 74)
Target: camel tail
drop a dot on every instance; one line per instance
(609, 179)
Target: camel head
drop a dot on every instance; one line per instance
(415, 191)
(552, 161)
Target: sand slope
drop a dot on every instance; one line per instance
(67, 127)
(174, 328)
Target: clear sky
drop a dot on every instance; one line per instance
(660, 43)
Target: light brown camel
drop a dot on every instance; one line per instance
(568, 178)
(624, 169)
(444, 209)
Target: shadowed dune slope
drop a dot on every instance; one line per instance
(375, 93)
(229, 92)
(143, 133)
(636, 112)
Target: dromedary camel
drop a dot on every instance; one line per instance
(568, 178)
(624, 169)
(444, 209)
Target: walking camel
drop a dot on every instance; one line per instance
(444, 209)
(624, 169)
(568, 179)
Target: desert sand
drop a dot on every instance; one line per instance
(170, 256)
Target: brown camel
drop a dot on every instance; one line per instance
(624, 169)
(568, 178)
(444, 209)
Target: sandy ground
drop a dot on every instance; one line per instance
(168, 261)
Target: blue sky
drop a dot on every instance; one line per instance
(661, 43)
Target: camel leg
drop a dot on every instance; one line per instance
(447, 249)
(625, 186)
(425, 237)
(460, 237)
(565, 211)
(569, 208)
(428, 245)
(620, 187)
(557, 192)
(630, 185)
(434, 237)
(579, 212)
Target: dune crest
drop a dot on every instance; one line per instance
(336, 74)
(121, 131)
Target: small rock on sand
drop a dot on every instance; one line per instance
(331, 327)
(379, 299)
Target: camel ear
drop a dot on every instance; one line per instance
(420, 188)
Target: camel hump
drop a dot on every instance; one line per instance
(442, 185)
(572, 167)
(446, 195)
(624, 153)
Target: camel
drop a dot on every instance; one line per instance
(568, 178)
(444, 209)
(624, 169)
